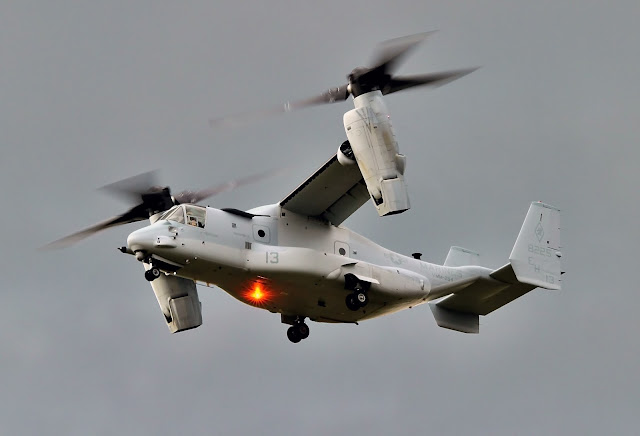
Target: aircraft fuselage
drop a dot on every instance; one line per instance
(295, 265)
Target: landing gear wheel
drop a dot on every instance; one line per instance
(357, 300)
(293, 334)
(362, 298)
(152, 274)
(352, 302)
(303, 330)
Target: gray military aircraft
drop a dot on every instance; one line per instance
(296, 258)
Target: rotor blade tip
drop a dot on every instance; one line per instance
(470, 70)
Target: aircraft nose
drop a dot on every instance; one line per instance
(140, 240)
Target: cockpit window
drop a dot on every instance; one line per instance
(167, 213)
(196, 215)
(176, 214)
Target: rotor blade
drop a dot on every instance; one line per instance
(137, 213)
(197, 196)
(238, 119)
(132, 188)
(433, 79)
(390, 53)
(331, 96)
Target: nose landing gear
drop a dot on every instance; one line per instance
(152, 273)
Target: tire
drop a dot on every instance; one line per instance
(152, 274)
(362, 298)
(293, 335)
(352, 302)
(303, 330)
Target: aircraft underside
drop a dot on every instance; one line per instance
(301, 295)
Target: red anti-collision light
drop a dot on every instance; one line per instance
(257, 294)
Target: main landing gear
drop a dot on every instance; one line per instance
(298, 331)
(359, 297)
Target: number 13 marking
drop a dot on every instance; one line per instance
(271, 257)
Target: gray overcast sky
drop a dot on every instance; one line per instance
(91, 93)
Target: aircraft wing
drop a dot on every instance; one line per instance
(332, 193)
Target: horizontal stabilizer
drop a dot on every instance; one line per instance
(453, 320)
(487, 294)
(459, 256)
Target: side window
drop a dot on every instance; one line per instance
(196, 216)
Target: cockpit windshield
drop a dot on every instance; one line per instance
(176, 214)
(195, 215)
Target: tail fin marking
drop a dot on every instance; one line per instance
(535, 257)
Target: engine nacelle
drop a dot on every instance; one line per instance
(375, 149)
(178, 300)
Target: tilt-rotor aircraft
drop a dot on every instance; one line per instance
(296, 259)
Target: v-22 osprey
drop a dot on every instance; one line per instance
(296, 259)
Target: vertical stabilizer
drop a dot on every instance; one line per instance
(459, 256)
(535, 257)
